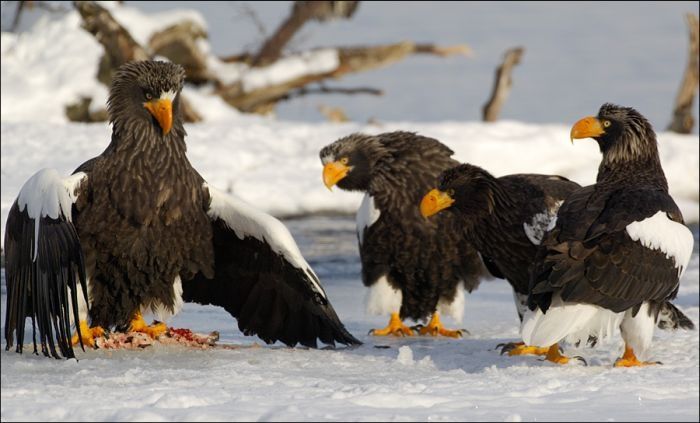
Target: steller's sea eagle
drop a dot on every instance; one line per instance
(414, 268)
(137, 229)
(618, 249)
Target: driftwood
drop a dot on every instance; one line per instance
(351, 60)
(120, 47)
(179, 44)
(502, 84)
(683, 122)
(302, 12)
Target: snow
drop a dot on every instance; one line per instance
(43, 63)
(416, 379)
(57, 61)
(313, 62)
(274, 165)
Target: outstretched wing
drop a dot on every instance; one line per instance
(262, 279)
(44, 262)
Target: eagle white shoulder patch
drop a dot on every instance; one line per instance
(541, 223)
(367, 215)
(46, 193)
(246, 220)
(658, 232)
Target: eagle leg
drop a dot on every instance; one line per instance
(88, 334)
(435, 328)
(554, 355)
(139, 325)
(519, 348)
(628, 359)
(395, 327)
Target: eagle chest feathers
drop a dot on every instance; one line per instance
(144, 227)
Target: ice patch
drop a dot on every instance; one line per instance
(405, 356)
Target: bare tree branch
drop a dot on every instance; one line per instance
(302, 12)
(502, 84)
(352, 59)
(247, 11)
(330, 90)
(120, 47)
(682, 122)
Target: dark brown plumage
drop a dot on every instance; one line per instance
(139, 229)
(424, 260)
(505, 218)
(618, 246)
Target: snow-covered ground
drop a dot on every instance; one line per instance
(275, 166)
(391, 379)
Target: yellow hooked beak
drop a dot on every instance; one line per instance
(588, 127)
(333, 172)
(162, 110)
(434, 201)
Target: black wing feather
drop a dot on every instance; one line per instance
(589, 256)
(39, 288)
(268, 296)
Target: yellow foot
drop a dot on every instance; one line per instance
(628, 359)
(87, 334)
(519, 348)
(395, 327)
(554, 355)
(436, 328)
(139, 325)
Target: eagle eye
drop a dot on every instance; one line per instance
(606, 123)
(149, 96)
(344, 160)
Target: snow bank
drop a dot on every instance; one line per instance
(55, 64)
(275, 165)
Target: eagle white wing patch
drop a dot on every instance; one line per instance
(658, 232)
(367, 215)
(246, 220)
(541, 223)
(46, 193)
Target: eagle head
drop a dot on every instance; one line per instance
(146, 94)
(622, 133)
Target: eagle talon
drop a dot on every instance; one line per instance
(629, 359)
(435, 328)
(87, 334)
(395, 327)
(581, 359)
(519, 348)
(139, 325)
(554, 356)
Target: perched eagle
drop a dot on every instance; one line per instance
(504, 218)
(618, 249)
(414, 267)
(138, 229)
